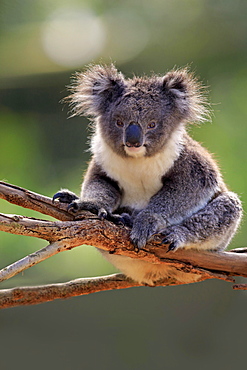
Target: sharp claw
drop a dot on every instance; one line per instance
(165, 241)
(118, 221)
(172, 247)
(64, 196)
(102, 214)
(127, 220)
(72, 207)
(136, 246)
(56, 196)
(123, 219)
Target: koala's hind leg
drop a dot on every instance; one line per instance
(211, 228)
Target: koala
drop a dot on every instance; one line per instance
(146, 172)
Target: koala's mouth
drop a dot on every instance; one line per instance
(135, 151)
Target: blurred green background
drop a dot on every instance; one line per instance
(42, 43)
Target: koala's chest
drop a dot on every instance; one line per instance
(139, 179)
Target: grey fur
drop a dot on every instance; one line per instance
(146, 171)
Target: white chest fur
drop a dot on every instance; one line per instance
(138, 178)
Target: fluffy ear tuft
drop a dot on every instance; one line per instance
(93, 90)
(188, 95)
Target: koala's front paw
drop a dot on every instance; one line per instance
(78, 206)
(174, 237)
(65, 196)
(144, 226)
(120, 219)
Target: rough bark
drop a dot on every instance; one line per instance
(69, 233)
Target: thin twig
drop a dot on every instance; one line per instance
(40, 294)
(31, 260)
(240, 287)
(45, 293)
(37, 202)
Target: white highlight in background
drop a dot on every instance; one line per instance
(73, 36)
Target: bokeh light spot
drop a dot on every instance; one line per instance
(73, 36)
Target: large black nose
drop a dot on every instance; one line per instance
(133, 135)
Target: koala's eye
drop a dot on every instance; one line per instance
(151, 125)
(119, 123)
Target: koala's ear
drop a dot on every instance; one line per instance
(94, 90)
(186, 94)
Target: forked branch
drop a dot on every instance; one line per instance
(69, 233)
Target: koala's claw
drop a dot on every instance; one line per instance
(172, 247)
(64, 196)
(120, 219)
(73, 207)
(136, 243)
(102, 214)
(139, 241)
(174, 238)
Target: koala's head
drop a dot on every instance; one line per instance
(136, 117)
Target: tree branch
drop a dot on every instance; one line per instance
(106, 235)
(240, 286)
(23, 296)
(28, 199)
(69, 233)
(45, 293)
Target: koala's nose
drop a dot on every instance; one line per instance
(133, 135)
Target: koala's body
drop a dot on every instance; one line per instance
(146, 171)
